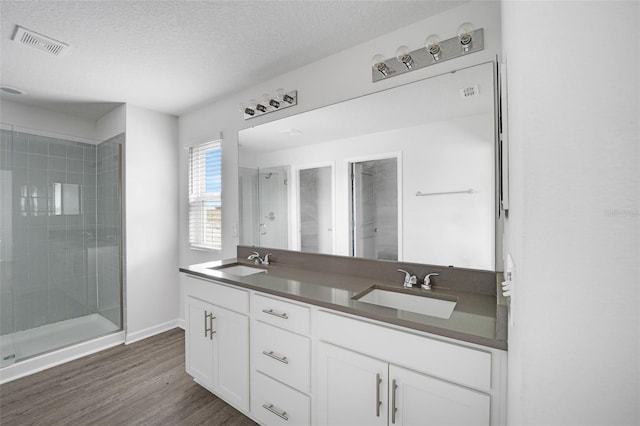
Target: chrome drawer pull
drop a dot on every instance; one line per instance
(276, 357)
(281, 414)
(275, 314)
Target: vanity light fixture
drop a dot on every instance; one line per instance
(468, 40)
(269, 103)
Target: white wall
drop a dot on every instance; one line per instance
(151, 192)
(47, 122)
(336, 78)
(112, 123)
(574, 222)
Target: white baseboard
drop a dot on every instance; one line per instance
(38, 363)
(182, 324)
(151, 331)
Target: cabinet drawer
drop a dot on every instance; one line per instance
(229, 297)
(282, 355)
(281, 313)
(449, 361)
(273, 403)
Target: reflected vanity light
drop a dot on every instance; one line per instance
(468, 40)
(269, 103)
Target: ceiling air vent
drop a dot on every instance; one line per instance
(40, 42)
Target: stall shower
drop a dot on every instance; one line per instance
(61, 241)
(264, 206)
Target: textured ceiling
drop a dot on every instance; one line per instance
(171, 56)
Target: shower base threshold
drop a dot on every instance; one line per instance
(50, 344)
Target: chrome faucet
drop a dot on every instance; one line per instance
(255, 256)
(426, 285)
(409, 280)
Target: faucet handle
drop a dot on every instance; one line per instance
(266, 258)
(409, 280)
(426, 285)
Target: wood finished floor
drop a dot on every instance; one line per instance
(144, 383)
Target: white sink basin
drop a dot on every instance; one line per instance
(240, 270)
(419, 304)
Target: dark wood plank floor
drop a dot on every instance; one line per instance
(140, 384)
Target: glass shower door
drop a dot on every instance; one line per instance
(7, 352)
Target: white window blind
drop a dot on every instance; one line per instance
(205, 201)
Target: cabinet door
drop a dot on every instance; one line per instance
(352, 388)
(231, 357)
(199, 341)
(423, 400)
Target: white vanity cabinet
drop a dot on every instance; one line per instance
(369, 374)
(354, 389)
(284, 362)
(280, 361)
(418, 399)
(217, 340)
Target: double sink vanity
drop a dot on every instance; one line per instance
(331, 340)
(344, 337)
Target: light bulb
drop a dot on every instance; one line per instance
(247, 109)
(377, 60)
(403, 55)
(432, 43)
(265, 99)
(378, 64)
(255, 105)
(465, 32)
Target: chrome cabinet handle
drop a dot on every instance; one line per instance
(275, 314)
(378, 402)
(271, 408)
(271, 354)
(208, 328)
(393, 401)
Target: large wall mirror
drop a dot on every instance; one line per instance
(407, 174)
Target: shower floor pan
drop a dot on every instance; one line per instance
(49, 337)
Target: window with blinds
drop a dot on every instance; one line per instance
(205, 201)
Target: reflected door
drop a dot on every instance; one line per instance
(315, 194)
(374, 209)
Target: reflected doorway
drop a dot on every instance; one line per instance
(374, 209)
(315, 196)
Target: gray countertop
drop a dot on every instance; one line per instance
(477, 318)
